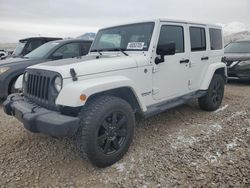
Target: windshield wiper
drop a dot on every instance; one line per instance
(118, 50)
(96, 50)
(110, 49)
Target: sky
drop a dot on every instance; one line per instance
(71, 18)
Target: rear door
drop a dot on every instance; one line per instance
(199, 58)
(170, 78)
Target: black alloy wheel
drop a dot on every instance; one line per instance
(112, 133)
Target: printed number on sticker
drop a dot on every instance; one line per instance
(135, 45)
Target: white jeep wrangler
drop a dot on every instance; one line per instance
(134, 70)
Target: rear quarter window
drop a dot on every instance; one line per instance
(215, 39)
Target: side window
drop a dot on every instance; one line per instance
(69, 50)
(198, 39)
(85, 48)
(215, 39)
(33, 45)
(171, 33)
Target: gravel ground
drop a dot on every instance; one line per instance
(183, 147)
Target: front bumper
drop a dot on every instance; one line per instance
(40, 120)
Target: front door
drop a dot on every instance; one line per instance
(170, 78)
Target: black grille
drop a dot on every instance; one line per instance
(39, 89)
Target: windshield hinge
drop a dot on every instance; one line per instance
(155, 91)
(155, 69)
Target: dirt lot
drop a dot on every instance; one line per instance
(183, 147)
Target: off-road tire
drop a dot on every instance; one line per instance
(92, 117)
(212, 100)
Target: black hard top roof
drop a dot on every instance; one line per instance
(57, 39)
(72, 40)
(42, 38)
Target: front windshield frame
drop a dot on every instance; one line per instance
(95, 48)
(43, 50)
(234, 47)
(19, 48)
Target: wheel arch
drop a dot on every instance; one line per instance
(11, 78)
(11, 82)
(222, 72)
(125, 93)
(217, 68)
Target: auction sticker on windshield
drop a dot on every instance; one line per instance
(135, 45)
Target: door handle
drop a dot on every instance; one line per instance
(204, 58)
(184, 61)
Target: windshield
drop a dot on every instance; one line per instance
(19, 48)
(238, 47)
(134, 37)
(42, 50)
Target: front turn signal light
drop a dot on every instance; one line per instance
(83, 97)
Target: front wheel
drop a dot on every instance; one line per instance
(106, 130)
(212, 100)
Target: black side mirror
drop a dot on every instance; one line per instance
(57, 56)
(165, 49)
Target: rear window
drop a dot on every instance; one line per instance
(215, 39)
(198, 39)
(19, 48)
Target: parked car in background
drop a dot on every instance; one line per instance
(27, 45)
(237, 58)
(11, 68)
(87, 36)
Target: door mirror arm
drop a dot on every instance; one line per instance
(163, 50)
(159, 60)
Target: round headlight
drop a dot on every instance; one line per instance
(25, 77)
(58, 83)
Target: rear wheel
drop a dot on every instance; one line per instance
(106, 130)
(212, 100)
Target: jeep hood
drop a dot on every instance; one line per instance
(91, 64)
